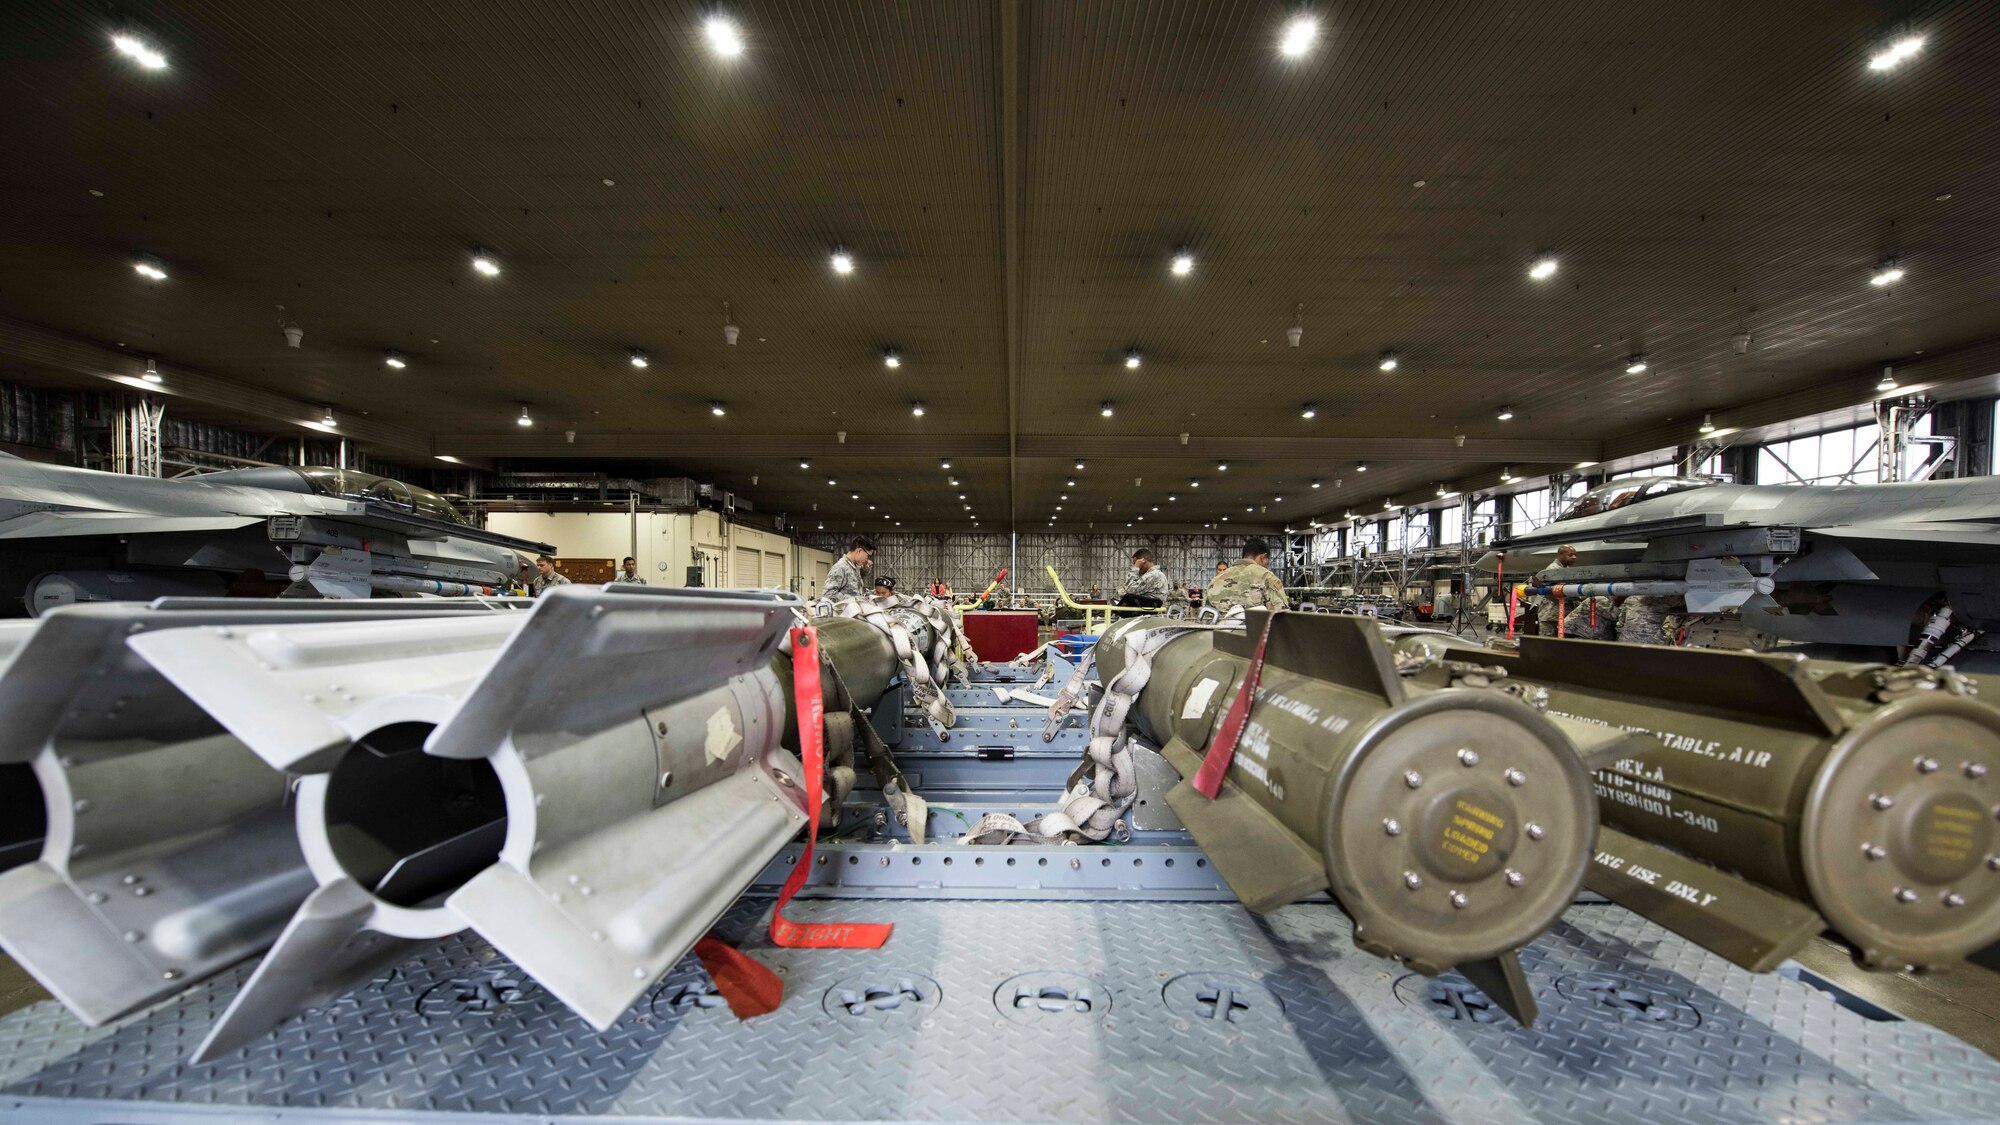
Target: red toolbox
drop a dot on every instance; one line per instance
(1002, 634)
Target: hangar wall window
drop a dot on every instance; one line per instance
(1531, 510)
(1392, 534)
(1485, 516)
(1844, 456)
(1366, 538)
(1451, 527)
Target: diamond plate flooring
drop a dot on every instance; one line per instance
(1122, 1011)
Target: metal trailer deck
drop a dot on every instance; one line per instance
(1118, 982)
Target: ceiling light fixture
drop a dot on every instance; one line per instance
(1194, 483)
(717, 409)
(637, 357)
(328, 420)
(1888, 58)
(1315, 484)
(1172, 499)
(724, 37)
(1888, 380)
(1441, 491)
(1506, 474)
(805, 464)
(1297, 331)
(524, 420)
(1543, 267)
(484, 262)
(917, 409)
(890, 358)
(1131, 357)
(1079, 466)
(1361, 466)
(395, 360)
(1707, 425)
(1183, 262)
(1388, 362)
(1104, 408)
(1309, 410)
(1222, 466)
(944, 465)
(136, 49)
(830, 482)
(1506, 412)
(152, 374)
(1300, 31)
(854, 496)
(843, 262)
(1635, 364)
(150, 268)
(1388, 505)
(1888, 273)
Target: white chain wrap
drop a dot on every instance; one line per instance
(925, 671)
(1107, 783)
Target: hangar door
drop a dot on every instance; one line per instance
(774, 572)
(745, 567)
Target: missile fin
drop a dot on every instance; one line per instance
(1750, 926)
(325, 950)
(1503, 982)
(1264, 864)
(597, 920)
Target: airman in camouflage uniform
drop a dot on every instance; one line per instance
(1146, 585)
(1546, 611)
(546, 575)
(1246, 583)
(844, 578)
(1642, 620)
(1589, 619)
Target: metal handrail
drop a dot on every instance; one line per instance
(1091, 612)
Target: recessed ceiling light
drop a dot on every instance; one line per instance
(890, 358)
(1388, 362)
(1896, 53)
(944, 464)
(1222, 466)
(843, 262)
(1361, 466)
(1131, 357)
(961, 496)
(152, 374)
(639, 358)
(1172, 499)
(1543, 267)
(1635, 364)
(1315, 484)
(830, 482)
(150, 268)
(1505, 413)
(1888, 273)
(854, 496)
(1104, 408)
(1300, 31)
(395, 360)
(1079, 466)
(871, 508)
(1183, 263)
(917, 408)
(1941, 197)
(717, 409)
(954, 482)
(485, 263)
(136, 49)
(805, 464)
(524, 419)
(1194, 484)
(724, 37)
(1309, 410)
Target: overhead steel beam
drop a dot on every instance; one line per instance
(124, 366)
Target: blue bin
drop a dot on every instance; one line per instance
(1073, 645)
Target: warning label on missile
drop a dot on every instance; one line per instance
(1469, 832)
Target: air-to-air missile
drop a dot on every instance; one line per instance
(1779, 796)
(1452, 822)
(587, 785)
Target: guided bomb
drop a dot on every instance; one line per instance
(1453, 823)
(1780, 796)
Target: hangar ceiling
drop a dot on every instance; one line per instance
(1012, 180)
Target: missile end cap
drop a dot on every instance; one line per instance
(1487, 884)
(1923, 893)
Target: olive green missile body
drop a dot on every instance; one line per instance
(1781, 796)
(1453, 825)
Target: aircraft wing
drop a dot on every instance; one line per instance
(47, 525)
(1957, 534)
